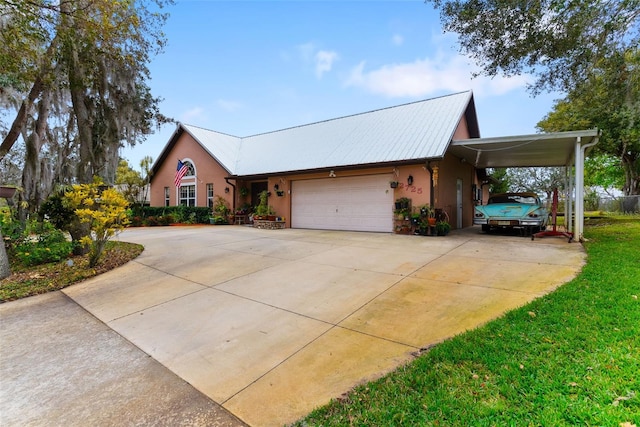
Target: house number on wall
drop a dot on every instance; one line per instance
(410, 188)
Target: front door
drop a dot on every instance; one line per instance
(256, 189)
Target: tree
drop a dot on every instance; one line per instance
(82, 83)
(585, 49)
(603, 171)
(609, 99)
(134, 185)
(537, 180)
(559, 42)
(500, 181)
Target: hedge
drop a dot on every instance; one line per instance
(170, 214)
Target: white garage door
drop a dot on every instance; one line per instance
(363, 203)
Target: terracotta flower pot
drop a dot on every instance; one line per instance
(7, 192)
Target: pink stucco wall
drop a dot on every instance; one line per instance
(207, 171)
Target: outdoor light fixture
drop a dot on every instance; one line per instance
(226, 189)
(276, 187)
(410, 180)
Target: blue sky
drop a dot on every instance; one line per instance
(248, 67)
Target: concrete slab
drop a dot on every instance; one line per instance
(272, 323)
(322, 370)
(218, 342)
(130, 289)
(60, 366)
(323, 292)
(421, 312)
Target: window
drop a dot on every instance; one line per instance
(166, 196)
(210, 195)
(191, 169)
(188, 195)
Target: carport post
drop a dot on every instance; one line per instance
(580, 153)
(568, 206)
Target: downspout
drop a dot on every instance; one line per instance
(579, 223)
(431, 187)
(226, 179)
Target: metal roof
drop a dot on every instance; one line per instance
(222, 147)
(536, 150)
(415, 131)
(419, 130)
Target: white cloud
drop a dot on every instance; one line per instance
(397, 39)
(428, 76)
(228, 105)
(324, 61)
(194, 115)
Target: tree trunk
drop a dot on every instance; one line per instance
(5, 271)
(85, 171)
(631, 176)
(37, 88)
(32, 177)
(21, 118)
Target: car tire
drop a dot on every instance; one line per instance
(486, 228)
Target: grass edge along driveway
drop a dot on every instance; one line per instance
(571, 357)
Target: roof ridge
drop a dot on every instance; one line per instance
(209, 130)
(358, 114)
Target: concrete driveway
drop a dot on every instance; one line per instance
(273, 323)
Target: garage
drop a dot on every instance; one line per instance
(359, 203)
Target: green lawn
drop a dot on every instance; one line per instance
(569, 358)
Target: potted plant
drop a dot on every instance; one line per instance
(415, 219)
(423, 227)
(428, 213)
(263, 210)
(442, 228)
(220, 211)
(403, 208)
(403, 203)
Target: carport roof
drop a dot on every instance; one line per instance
(537, 150)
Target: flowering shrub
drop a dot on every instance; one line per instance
(103, 209)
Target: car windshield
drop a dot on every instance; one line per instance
(513, 198)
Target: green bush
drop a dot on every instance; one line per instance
(13, 231)
(173, 214)
(47, 244)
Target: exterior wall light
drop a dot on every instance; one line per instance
(410, 180)
(226, 189)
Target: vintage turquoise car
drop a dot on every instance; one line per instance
(522, 211)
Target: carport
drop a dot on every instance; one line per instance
(556, 149)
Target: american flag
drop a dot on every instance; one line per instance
(181, 171)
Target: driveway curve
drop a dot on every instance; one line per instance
(273, 323)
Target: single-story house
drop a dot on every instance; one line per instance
(335, 174)
(339, 174)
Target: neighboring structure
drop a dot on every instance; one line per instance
(333, 174)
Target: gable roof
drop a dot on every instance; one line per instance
(410, 132)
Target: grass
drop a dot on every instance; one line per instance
(569, 358)
(28, 281)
